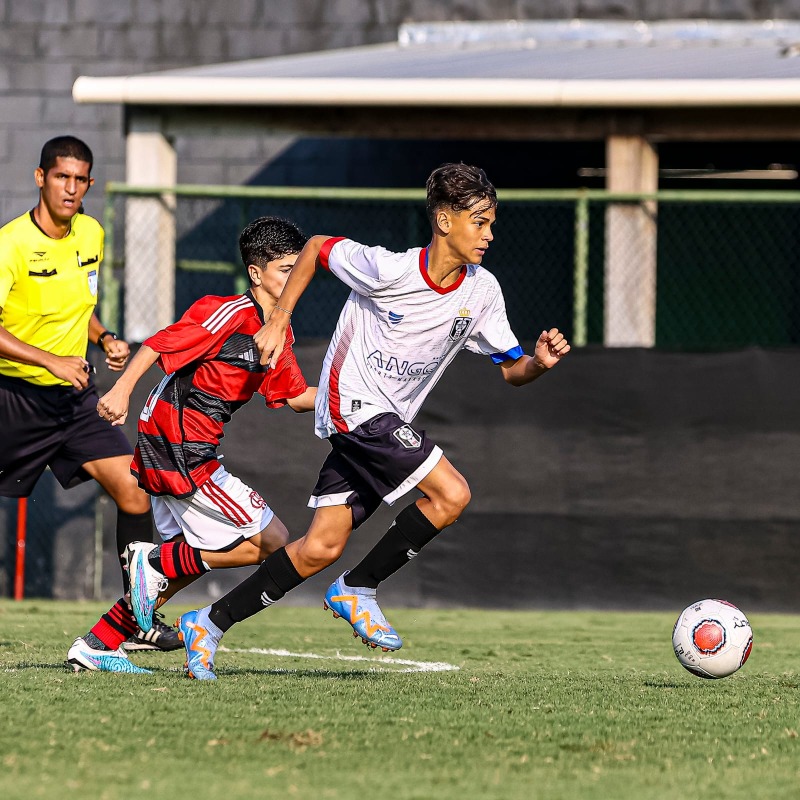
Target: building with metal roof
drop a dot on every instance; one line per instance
(631, 85)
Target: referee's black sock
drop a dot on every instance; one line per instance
(131, 528)
(268, 583)
(408, 534)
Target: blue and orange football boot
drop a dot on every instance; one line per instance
(358, 606)
(200, 637)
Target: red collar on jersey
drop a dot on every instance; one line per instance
(423, 268)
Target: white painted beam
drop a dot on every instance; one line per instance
(631, 233)
(202, 90)
(149, 231)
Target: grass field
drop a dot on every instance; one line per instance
(542, 705)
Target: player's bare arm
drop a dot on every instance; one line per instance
(113, 405)
(272, 336)
(550, 348)
(303, 402)
(116, 350)
(67, 368)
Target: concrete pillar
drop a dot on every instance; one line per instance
(149, 230)
(630, 257)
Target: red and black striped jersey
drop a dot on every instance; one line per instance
(212, 369)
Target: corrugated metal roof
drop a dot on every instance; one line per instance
(577, 50)
(562, 63)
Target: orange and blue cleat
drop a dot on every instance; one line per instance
(201, 638)
(359, 606)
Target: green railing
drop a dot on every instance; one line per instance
(717, 258)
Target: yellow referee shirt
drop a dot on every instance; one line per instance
(48, 290)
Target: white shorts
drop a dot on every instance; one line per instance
(222, 513)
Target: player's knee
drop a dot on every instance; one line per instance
(132, 500)
(318, 555)
(455, 500)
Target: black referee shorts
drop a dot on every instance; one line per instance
(51, 426)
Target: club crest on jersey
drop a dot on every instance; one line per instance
(92, 278)
(460, 325)
(407, 437)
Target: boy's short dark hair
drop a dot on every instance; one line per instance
(268, 238)
(458, 187)
(64, 147)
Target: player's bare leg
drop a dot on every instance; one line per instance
(353, 595)
(324, 541)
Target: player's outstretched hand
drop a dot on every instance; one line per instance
(551, 347)
(113, 406)
(117, 352)
(270, 340)
(70, 368)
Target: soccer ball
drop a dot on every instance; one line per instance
(712, 638)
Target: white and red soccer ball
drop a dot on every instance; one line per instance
(712, 638)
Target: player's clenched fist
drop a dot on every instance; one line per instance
(117, 352)
(113, 406)
(551, 347)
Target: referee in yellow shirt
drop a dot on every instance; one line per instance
(49, 263)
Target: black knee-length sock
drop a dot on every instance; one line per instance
(408, 534)
(268, 583)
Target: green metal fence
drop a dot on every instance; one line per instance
(684, 270)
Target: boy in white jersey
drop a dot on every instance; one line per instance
(405, 320)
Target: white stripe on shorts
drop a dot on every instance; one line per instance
(324, 500)
(416, 476)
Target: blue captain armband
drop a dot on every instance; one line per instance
(510, 355)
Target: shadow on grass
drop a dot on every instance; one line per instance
(351, 675)
(665, 685)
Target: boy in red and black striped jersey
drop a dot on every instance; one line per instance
(207, 517)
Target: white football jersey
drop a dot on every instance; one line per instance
(398, 331)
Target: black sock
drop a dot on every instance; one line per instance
(94, 642)
(131, 528)
(268, 583)
(409, 533)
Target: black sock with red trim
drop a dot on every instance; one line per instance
(408, 534)
(276, 576)
(177, 559)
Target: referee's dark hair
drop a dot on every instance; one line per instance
(458, 187)
(268, 238)
(64, 147)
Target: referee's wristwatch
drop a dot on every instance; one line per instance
(103, 336)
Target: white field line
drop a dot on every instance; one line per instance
(376, 663)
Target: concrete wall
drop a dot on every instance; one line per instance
(46, 44)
